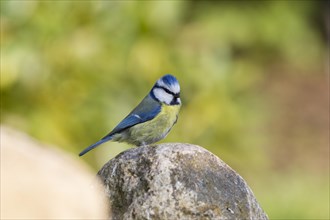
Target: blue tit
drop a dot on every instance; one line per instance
(151, 120)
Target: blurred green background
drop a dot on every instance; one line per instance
(254, 79)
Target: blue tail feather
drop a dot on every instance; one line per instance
(95, 145)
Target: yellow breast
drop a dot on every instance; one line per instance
(155, 129)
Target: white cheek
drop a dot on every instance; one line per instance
(163, 96)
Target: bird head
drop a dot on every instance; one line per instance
(167, 90)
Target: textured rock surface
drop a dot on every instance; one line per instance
(176, 181)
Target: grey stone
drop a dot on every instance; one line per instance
(176, 181)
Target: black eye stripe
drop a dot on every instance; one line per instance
(176, 95)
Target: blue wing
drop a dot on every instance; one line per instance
(145, 111)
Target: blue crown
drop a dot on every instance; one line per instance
(168, 79)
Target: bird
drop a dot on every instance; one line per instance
(151, 120)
